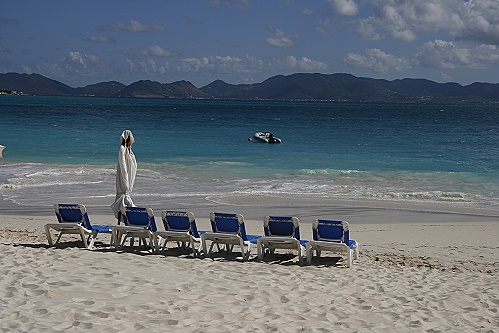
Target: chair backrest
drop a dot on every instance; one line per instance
(228, 223)
(72, 213)
(139, 217)
(179, 221)
(331, 231)
(282, 226)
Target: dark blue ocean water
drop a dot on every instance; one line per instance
(59, 148)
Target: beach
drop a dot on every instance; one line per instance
(415, 276)
(419, 185)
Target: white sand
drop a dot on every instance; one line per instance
(410, 277)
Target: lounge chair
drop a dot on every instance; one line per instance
(139, 223)
(281, 232)
(330, 235)
(180, 227)
(229, 230)
(73, 219)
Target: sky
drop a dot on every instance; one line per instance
(248, 41)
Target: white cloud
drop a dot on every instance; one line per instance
(325, 27)
(377, 61)
(475, 20)
(221, 64)
(248, 64)
(73, 67)
(157, 51)
(404, 36)
(446, 78)
(130, 64)
(478, 20)
(83, 59)
(26, 68)
(367, 29)
(280, 39)
(443, 54)
(301, 64)
(135, 26)
(100, 39)
(344, 7)
(151, 67)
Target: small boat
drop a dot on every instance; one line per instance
(1, 149)
(265, 137)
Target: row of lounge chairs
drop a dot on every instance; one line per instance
(228, 230)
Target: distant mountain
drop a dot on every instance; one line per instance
(34, 84)
(300, 86)
(151, 89)
(346, 87)
(104, 89)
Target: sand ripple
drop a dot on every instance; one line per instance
(73, 290)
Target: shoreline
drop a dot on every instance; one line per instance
(307, 208)
(428, 242)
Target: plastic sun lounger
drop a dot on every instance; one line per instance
(180, 227)
(73, 219)
(228, 229)
(139, 223)
(281, 232)
(331, 235)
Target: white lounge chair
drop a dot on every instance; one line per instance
(331, 235)
(281, 232)
(229, 230)
(139, 223)
(180, 227)
(73, 219)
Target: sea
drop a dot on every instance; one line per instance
(197, 154)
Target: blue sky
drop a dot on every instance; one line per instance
(247, 41)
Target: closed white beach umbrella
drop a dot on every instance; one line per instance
(125, 173)
(1, 149)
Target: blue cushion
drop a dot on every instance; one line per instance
(102, 228)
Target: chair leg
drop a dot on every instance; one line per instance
(92, 242)
(200, 249)
(260, 250)
(211, 248)
(49, 236)
(203, 247)
(246, 253)
(310, 253)
(193, 247)
(301, 252)
(93, 238)
(114, 238)
(58, 237)
(123, 242)
(349, 258)
(83, 239)
(154, 243)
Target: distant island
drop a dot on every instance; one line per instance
(339, 87)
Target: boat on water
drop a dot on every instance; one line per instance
(265, 137)
(1, 149)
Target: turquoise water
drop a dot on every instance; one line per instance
(61, 149)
